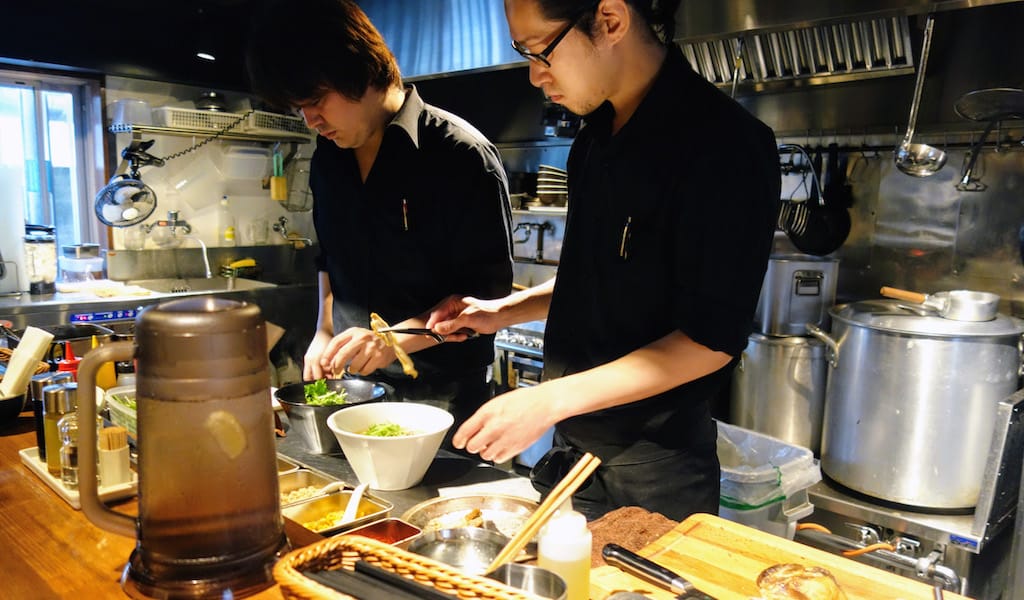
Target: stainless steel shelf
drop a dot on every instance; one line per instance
(284, 136)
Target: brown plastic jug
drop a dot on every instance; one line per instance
(209, 522)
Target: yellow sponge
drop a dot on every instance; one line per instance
(243, 262)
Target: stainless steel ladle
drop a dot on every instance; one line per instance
(919, 160)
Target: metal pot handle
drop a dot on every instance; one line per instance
(833, 347)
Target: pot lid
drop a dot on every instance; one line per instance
(895, 316)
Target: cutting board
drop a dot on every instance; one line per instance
(723, 559)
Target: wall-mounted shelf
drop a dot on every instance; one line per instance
(283, 136)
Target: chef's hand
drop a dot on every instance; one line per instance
(311, 369)
(506, 425)
(463, 312)
(359, 350)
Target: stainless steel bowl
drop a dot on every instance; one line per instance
(532, 579)
(468, 549)
(311, 421)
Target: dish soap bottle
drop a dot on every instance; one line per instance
(564, 548)
(225, 223)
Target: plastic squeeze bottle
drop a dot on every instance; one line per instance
(226, 223)
(564, 548)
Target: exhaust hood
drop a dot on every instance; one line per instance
(802, 42)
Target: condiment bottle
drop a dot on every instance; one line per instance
(70, 362)
(36, 386)
(564, 548)
(67, 426)
(55, 405)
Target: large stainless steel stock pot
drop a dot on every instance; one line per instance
(910, 401)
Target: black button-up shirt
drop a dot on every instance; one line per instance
(669, 228)
(432, 219)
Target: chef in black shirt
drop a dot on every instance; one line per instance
(673, 198)
(410, 202)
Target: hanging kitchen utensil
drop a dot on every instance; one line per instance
(919, 160)
(991, 104)
(278, 183)
(967, 182)
(816, 226)
(126, 200)
(958, 305)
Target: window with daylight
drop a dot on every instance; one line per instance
(51, 153)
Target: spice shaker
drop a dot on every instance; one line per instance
(55, 406)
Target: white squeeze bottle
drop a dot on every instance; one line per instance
(225, 224)
(564, 548)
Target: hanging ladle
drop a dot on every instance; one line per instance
(919, 160)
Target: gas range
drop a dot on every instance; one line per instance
(524, 338)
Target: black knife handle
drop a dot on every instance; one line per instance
(631, 562)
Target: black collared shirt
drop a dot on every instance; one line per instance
(669, 228)
(432, 219)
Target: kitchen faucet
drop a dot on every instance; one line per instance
(281, 227)
(206, 256)
(172, 222)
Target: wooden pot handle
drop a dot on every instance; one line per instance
(907, 295)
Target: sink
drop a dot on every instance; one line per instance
(199, 285)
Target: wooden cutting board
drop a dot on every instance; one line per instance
(723, 559)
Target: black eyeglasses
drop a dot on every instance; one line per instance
(542, 56)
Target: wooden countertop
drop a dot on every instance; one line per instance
(49, 549)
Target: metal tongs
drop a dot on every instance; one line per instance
(469, 333)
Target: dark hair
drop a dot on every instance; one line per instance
(660, 15)
(298, 49)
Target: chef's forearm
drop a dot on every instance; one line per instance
(655, 368)
(325, 316)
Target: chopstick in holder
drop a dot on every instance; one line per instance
(583, 469)
(420, 590)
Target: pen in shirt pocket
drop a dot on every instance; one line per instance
(405, 215)
(624, 242)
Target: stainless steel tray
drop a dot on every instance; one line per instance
(506, 514)
(304, 513)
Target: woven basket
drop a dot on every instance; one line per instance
(5, 357)
(342, 552)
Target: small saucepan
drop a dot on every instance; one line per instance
(958, 305)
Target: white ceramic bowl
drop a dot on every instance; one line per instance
(390, 463)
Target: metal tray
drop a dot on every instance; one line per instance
(301, 478)
(371, 509)
(506, 514)
(285, 465)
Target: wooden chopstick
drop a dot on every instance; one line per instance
(583, 469)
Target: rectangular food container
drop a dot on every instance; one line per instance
(285, 465)
(390, 531)
(302, 478)
(306, 512)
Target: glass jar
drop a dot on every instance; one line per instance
(81, 262)
(41, 259)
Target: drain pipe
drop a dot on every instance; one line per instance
(925, 566)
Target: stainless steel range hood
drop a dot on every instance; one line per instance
(802, 42)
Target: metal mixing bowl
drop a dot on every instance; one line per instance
(469, 549)
(532, 579)
(311, 421)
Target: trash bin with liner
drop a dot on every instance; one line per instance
(764, 480)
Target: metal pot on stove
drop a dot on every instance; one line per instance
(797, 289)
(911, 399)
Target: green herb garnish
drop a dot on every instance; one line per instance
(317, 394)
(387, 430)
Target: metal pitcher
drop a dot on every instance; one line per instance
(209, 522)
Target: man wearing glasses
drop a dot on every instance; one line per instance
(673, 198)
(410, 201)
